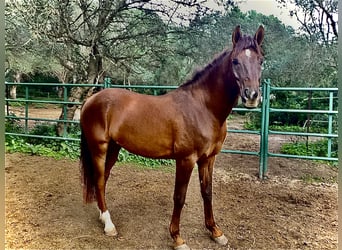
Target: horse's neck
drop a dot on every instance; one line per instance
(220, 91)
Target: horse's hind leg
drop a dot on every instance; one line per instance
(205, 170)
(104, 162)
(111, 157)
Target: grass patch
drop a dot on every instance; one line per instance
(127, 157)
(308, 178)
(57, 149)
(311, 179)
(16, 103)
(317, 148)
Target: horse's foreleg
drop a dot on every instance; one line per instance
(183, 172)
(205, 170)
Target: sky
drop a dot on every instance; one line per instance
(266, 7)
(269, 7)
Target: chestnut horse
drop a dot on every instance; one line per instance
(187, 124)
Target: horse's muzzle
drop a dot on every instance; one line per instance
(250, 97)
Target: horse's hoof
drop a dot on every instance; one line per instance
(221, 240)
(111, 232)
(182, 247)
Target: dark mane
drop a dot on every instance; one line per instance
(209, 67)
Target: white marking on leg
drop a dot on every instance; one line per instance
(248, 53)
(109, 226)
(221, 240)
(182, 247)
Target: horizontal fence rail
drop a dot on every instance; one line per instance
(264, 111)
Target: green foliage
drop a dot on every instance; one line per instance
(56, 149)
(317, 148)
(17, 104)
(125, 156)
(13, 125)
(39, 146)
(296, 129)
(299, 100)
(310, 179)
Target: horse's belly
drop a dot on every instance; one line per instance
(151, 148)
(150, 143)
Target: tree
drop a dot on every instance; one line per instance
(90, 38)
(318, 18)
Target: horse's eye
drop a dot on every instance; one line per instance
(235, 61)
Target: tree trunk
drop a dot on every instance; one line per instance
(13, 92)
(77, 94)
(13, 88)
(308, 120)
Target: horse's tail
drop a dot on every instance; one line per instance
(87, 171)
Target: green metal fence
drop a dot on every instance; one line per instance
(264, 133)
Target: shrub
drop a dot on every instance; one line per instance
(317, 148)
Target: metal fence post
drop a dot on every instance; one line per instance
(264, 129)
(26, 109)
(267, 123)
(107, 83)
(330, 119)
(261, 149)
(65, 99)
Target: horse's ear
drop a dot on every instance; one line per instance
(236, 35)
(259, 35)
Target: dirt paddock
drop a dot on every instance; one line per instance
(44, 208)
(295, 208)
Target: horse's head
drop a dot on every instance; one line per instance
(246, 59)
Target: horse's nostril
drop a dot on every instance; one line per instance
(251, 94)
(255, 95)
